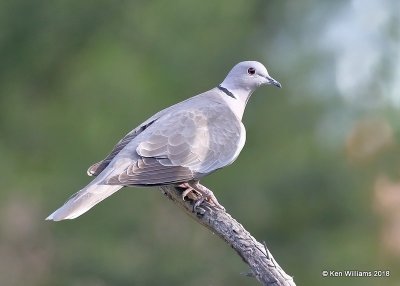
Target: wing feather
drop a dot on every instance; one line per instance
(182, 146)
(148, 171)
(98, 167)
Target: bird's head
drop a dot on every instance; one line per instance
(248, 75)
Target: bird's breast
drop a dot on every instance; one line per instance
(242, 141)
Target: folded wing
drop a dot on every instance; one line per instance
(179, 147)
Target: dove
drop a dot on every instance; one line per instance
(178, 145)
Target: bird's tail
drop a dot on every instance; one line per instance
(84, 200)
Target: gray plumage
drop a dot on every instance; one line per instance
(179, 144)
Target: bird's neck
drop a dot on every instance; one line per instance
(235, 98)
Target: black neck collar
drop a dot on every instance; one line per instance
(226, 91)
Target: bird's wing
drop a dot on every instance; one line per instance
(98, 167)
(181, 146)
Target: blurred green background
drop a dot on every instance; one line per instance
(319, 177)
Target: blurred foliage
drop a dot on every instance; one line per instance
(318, 179)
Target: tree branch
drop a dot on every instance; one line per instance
(262, 265)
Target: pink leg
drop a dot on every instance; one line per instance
(188, 190)
(206, 193)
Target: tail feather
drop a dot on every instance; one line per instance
(84, 200)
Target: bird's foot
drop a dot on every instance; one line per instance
(189, 192)
(198, 194)
(192, 195)
(206, 195)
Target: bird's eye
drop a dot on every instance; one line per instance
(251, 71)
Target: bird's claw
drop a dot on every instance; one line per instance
(209, 200)
(185, 193)
(198, 194)
(197, 203)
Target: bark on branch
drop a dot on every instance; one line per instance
(261, 262)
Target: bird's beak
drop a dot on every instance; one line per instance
(270, 80)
